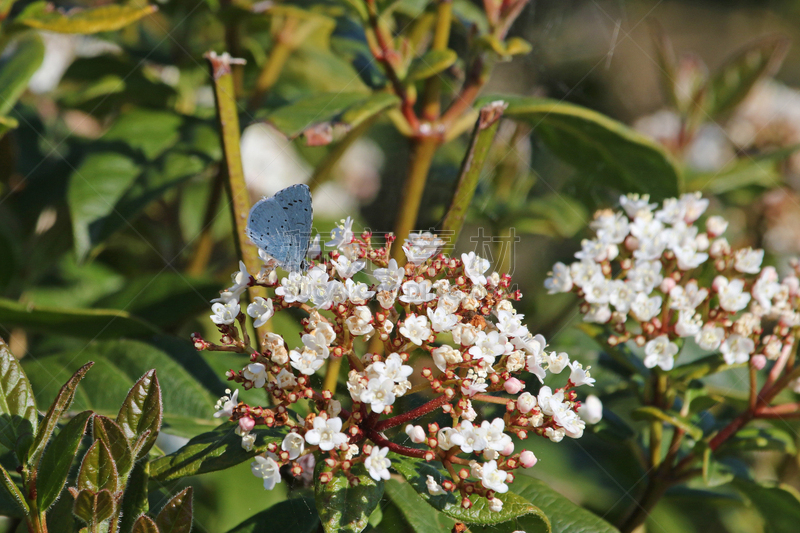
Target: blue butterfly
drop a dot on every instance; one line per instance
(281, 226)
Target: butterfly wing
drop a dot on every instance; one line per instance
(281, 226)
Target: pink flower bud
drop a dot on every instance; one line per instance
(527, 459)
(508, 450)
(526, 402)
(758, 361)
(513, 386)
(667, 285)
(246, 424)
(415, 433)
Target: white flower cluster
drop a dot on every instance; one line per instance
(644, 267)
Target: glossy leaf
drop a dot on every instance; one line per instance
(297, 515)
(430, 64)
(134, 501)
(57, 459)
(94, 507)
(673, 419)
(342, 507)
(112, 436)
(759, 439)
(176, 516)
(149, 131)
(416, 472)
(779, 505)
(62, 402)
(420, 516)
(18, 416)
(215, 450)
(699, 368)
(16, 70)
(142, 411)
(45, 16)
(86, 323)
(98, 471)
(145, 524)
(13, 491)
(603, 150)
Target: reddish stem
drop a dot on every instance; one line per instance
(380, 440)
(411, 415)
(779, 411)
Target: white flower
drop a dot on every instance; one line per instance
(488, 346)
(294, 444)
(548, 401)
(392, 369)
(688, 297)
(526, 402)
(598, 313)
(415, 328)
(445, 437)
(257, 373)
(560, 279)
(494, 433)
(319, 287)
(360, 322)
(267, 469)
(555, 434)
(748, 260)
(307, 361)
(556, 362)
(286, 379)
(390, 278)
(610, 227)
(661, 352)
(419, 247)
(689, 323)
(314, 248)
(293, 288)
(377, 464)
(227, 404)
(710, 337)
(496, 505)
(494, 478)
(597, 291)
(241, 280)
(689, 258)
(444, 355)
(326, 433)
(716, 225)
(694, 206)
(474, 267)
(578, 376)
(347, 268)
(645, 276)
(342, 234)
(470, 438)
(569, 420)
(591, 410)
(737, 349)
(417, 292)
(379, 394)
(621, 295)
(644, 308)
(415, 433)
(441, 320)
(358, 292)
(596, 250)
(261, 309)
(672, 211)
(225, 313)
(633, 204)
(731, 295)
(471, 388)
(583, 271)
(248, 442)
(434, 489)
(510, 324)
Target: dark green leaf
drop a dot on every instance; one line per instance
(612, 428)
(602, 149)
(557, 215)
(145, 524)
(699, 368)
(565, 516)
(6, 124)
(13, 491)
(93, 507)
(416, 472)
(134, 501)
(142, 411)
(343, 507)
(741, 173)
(95, 187)
(430, 64)
(44, 16)
(759, 439)
(215, 450)
(98, 471)
(17, 69)
(62, 402)
(18, 416)
(297, 515)
(91, 323)
(150, 131)
(112, 436)
(176, 516)
(779, 505)
(57, 460)
(732, 83)
(420, 516)
(659, 415)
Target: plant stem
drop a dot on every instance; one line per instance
(324, 170)
(332, 373)
(278, 54)
(380, 440)
(431, 107)
(654, 491)
(205, 241)
(411, 415)
(236, 186)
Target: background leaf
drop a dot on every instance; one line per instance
(16, 70)
(57, 460)
(18, 416)
(297, 515)
(44, 16)
(342, 507)
(779, 505)
(176, 516)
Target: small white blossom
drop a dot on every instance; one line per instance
(227, 404)
(591, 410)
(225, 313)
(644, 308)
(257, 373)
(390, 278)
(580, 376)
(417, 292)
(415, 328)
(560, 279)
(731, 295)
(710, 337)
(434, 489)
(660, 352)
(737, 349)
(347, 268)
(293, 444)
(327, 434)
(378, 464)
(493, 478)
(342, 234)
(475, 267)
(261, 310)
(748, 260)
(267, 469)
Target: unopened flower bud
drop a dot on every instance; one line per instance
(758, 361)
(246, 424)
(513, 386)
(527, 459)
(526, 402)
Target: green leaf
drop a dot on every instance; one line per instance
(602, 149)
(145, 524)
(732, 83)
(44, 16)
(95, 187)
(134, 501)
(18, 416)
(658, 415)
(343, 507)
(13, 491)
(142, 411)
(297, 515)
(6, 124)
(150, 131)
(699, 368)
(416, 472)
(779, 505)
(565, 516)
(430, 64)
(62, 402)
(763, 173)
(557, 215)
(176, 516)
(16, 71)
(57, 459)
(86, 323)
(349, 109)
(420, 516)
(98, 471)
(112, 436)
(93, 507)
(759, 439)
(215, 450)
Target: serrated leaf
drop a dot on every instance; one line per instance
(420, 516)
(56, 461)
(430, 64)
(16, 70)
(18, 416)
(673, 419)
(141, 411)
(150, 131)
(215, 450)
(44, 16)
(176, 516)
(98, 471)
(416, 472)
(13, 491)
(297, 515)
(93, 507)
(779, 505)
(603, 150)
(134, 501)
(342, 507)
(732, 83)
(62, 402)
(112, 436)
